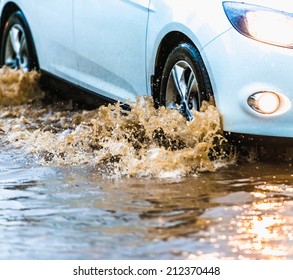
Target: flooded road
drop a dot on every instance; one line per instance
(108, 184)
(241, 212)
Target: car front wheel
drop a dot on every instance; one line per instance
(17, 47)
(185, 83)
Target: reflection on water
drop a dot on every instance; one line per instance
(266, 222)
(259, 224)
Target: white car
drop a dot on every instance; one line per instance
(179, 52)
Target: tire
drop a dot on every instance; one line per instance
(17, 46)
(185, 83)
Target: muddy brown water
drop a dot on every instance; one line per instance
(108, 184)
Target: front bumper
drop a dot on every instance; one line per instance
(238, 67)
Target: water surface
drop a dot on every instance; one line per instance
(111, 184)
(241, 212)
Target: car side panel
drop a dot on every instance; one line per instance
(110, 42)
(56, 38)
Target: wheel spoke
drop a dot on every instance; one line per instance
(178, 79)
(192, 93)
(15, 39)
(191, 84)
(23, 53)
(188, 113)
(23, 44)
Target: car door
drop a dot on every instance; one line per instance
(110, 37)
(56, 40)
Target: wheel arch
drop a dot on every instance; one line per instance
(167, 44)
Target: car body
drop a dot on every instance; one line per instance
(118, 48)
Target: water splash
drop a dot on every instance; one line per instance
(18, 87)
(142, 142)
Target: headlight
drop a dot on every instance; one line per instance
(262, 24)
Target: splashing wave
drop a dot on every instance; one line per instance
(142, 142)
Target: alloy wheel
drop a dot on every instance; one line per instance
(16, 50)
(182, 90)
